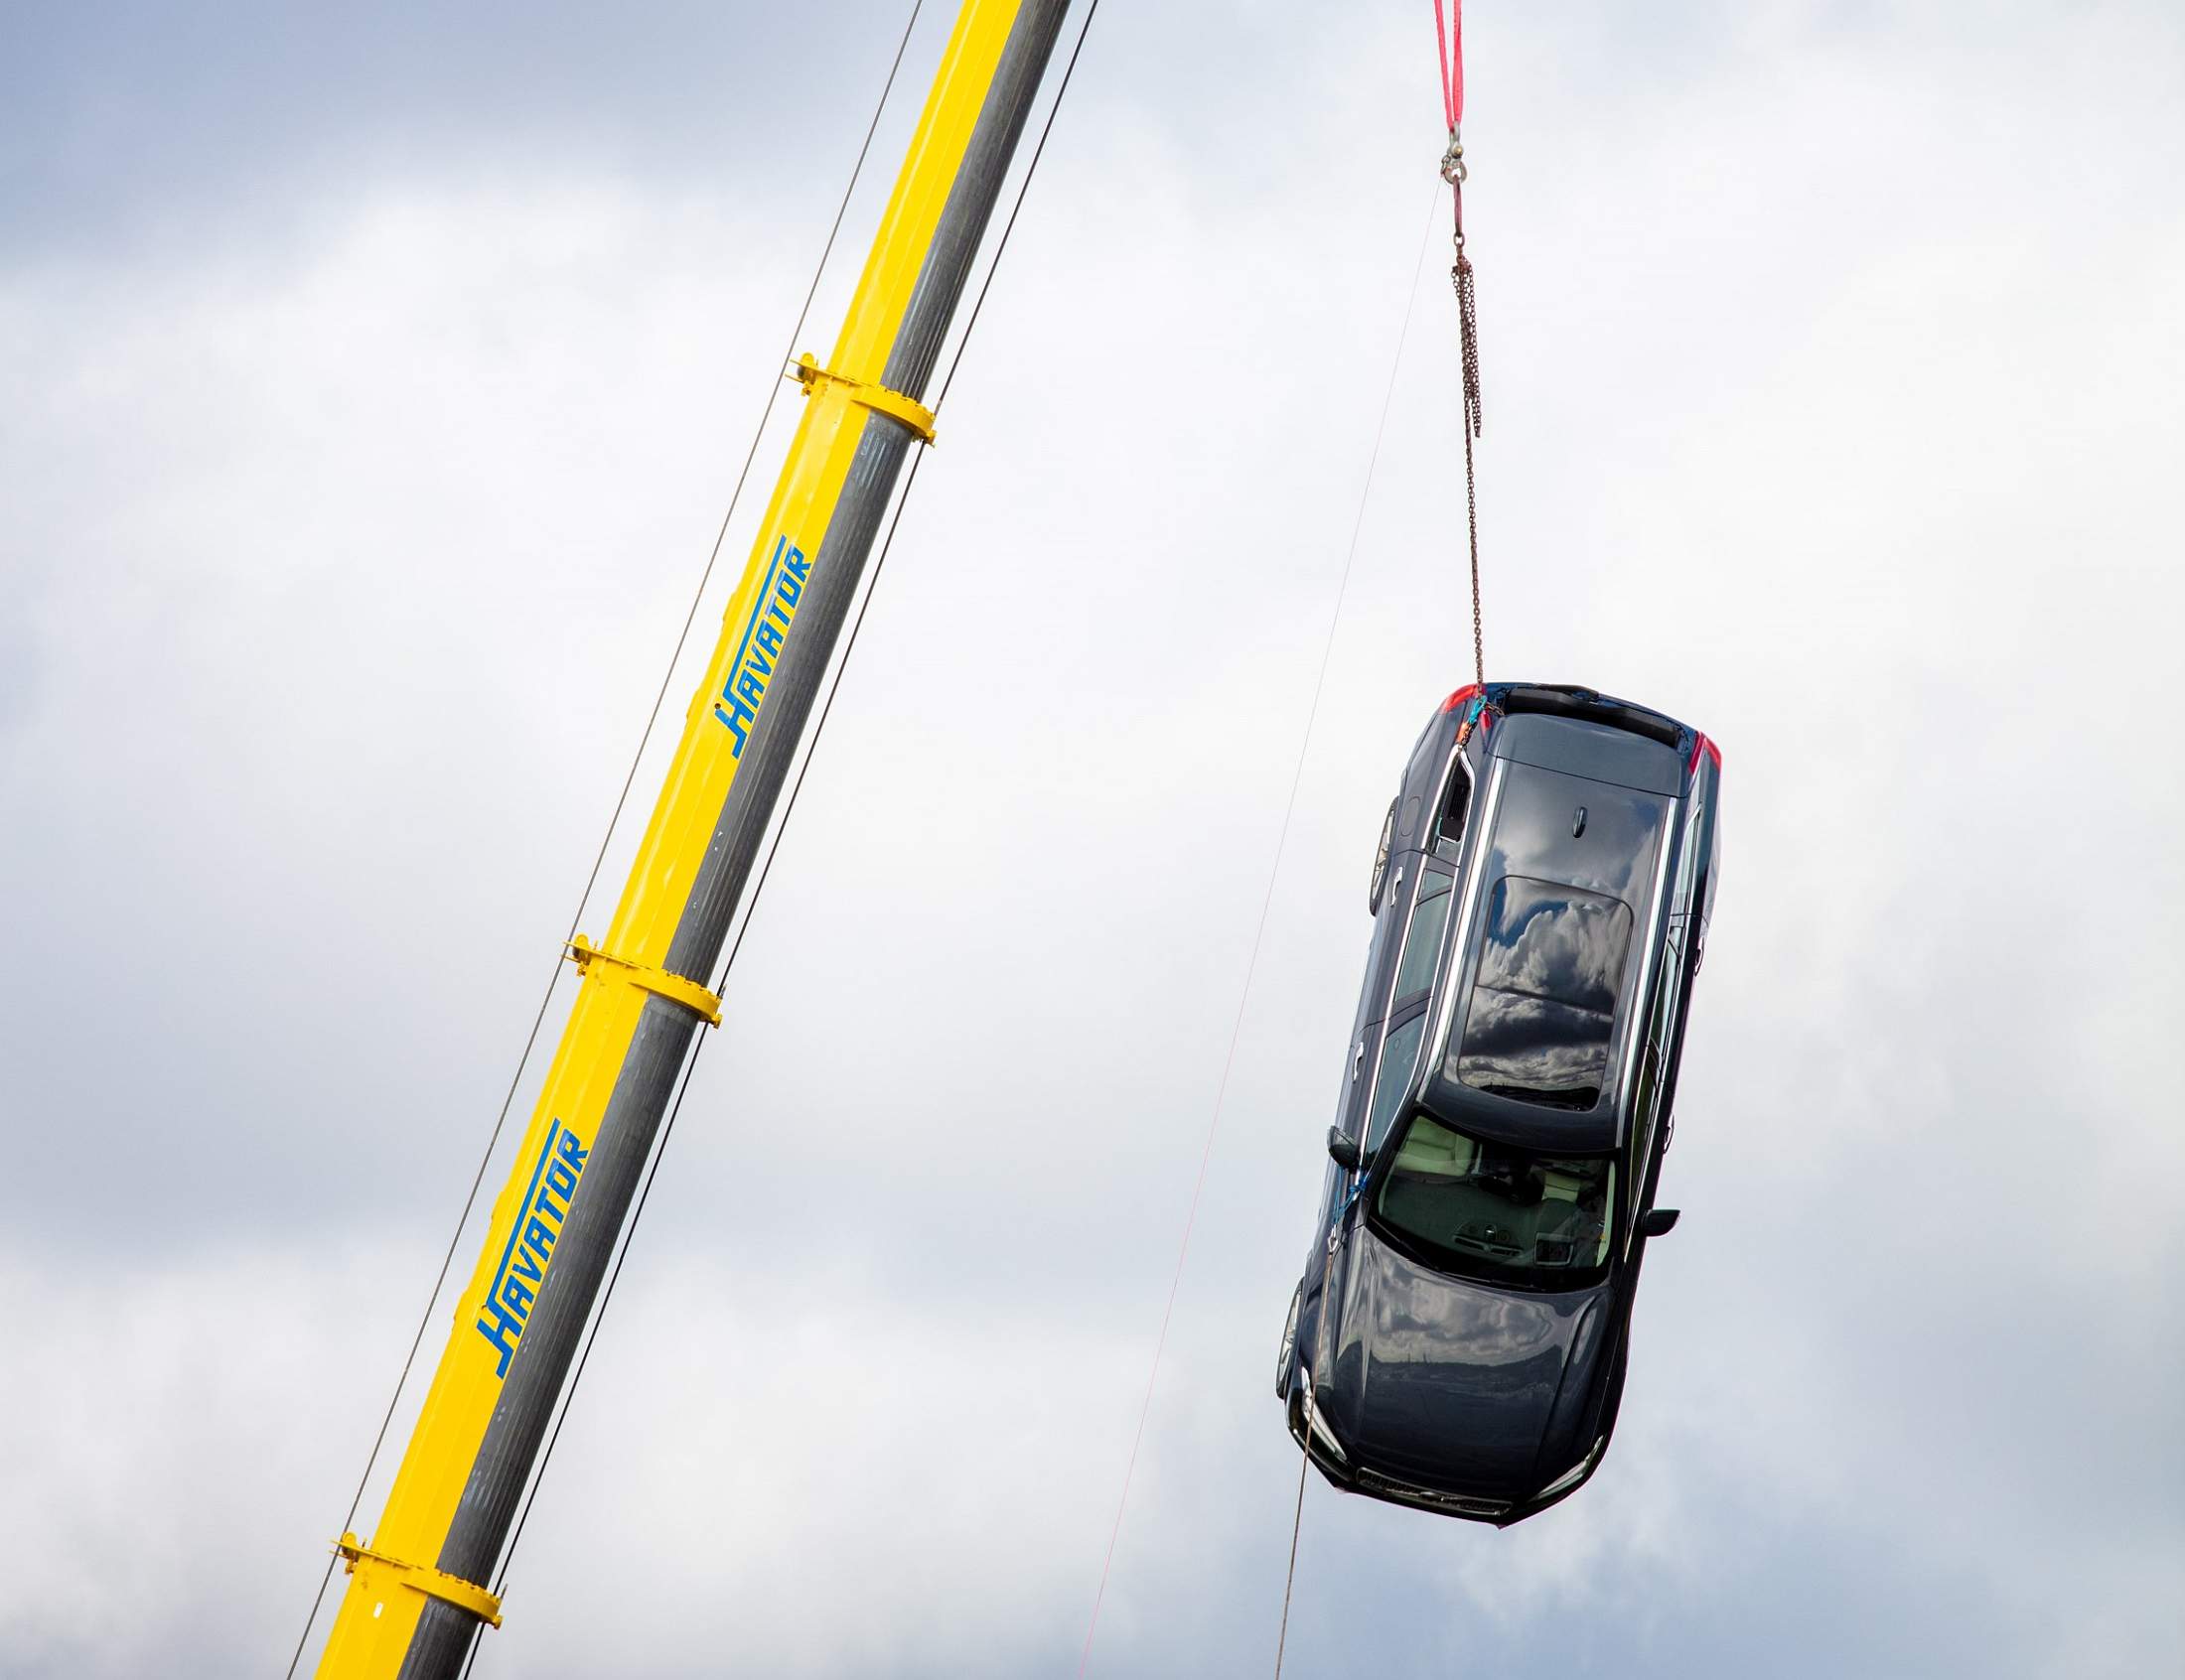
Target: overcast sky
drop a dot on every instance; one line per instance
(372, 384)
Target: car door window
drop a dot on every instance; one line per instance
(1392, 1076)
(1646, 1124)
(1422, 938)
(1650, 1109)
(1358, 1076)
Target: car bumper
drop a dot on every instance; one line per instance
(1330, 1458)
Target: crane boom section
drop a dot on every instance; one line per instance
(642, 997)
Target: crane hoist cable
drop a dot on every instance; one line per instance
(599, 857)
(1449, 59)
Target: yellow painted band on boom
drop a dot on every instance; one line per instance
(894, 404)
(363, 1560)
(657, 981)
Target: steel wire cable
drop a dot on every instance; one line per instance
(1258, 938)
(599, 858)
(1449, 57)
(1461, 276)
(780, 826)
(1298, 1527)
(1469, 421)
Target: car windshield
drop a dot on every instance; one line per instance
(1486, 1209)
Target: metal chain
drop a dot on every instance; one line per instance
(1468, 328)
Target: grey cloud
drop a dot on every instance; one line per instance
(346, 534)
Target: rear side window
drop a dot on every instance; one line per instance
(1543, 1010)
(1449, 821)
(1423, 942)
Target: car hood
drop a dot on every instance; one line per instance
(1448, 1383)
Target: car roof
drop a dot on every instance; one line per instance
(1593, 751)
(1624, 750)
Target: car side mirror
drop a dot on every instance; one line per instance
(1343, 1149)
(1657, 1221)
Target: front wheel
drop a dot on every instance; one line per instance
(1285, 1357)
(1381, 860)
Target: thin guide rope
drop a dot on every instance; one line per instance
(1298, 1527)
(1258, 938)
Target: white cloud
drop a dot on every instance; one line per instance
(1829, 408)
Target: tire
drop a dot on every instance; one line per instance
(1380, 861)
(1286, 1353)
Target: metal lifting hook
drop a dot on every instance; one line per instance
(1452, 160)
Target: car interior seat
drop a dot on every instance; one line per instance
(1435, 1152)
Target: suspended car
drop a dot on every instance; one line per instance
(1541, 895)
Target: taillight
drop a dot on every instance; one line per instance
(1715, 753)
(1469, 692)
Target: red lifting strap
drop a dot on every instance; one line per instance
(1450, 39)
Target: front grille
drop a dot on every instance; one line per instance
(1433, 1500)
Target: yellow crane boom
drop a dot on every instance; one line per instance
(416, 1596)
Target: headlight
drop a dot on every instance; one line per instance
(1575, 1475)
(1312, 1415)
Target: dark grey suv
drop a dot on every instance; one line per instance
(1540, 899)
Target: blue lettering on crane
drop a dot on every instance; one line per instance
(523, 1268)
(760, 652)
